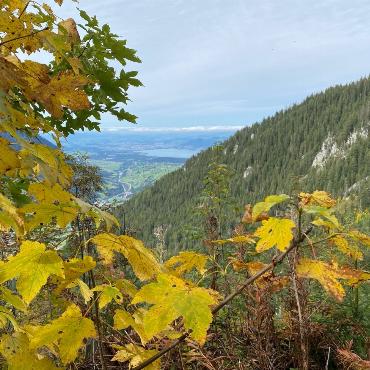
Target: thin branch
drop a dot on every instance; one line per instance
(24, 9)
(277, 260)
(24, 36)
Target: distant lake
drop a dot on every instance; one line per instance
(170, 152)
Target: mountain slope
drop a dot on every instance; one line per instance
(322, 143)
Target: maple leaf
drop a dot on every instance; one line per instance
(10, 74)
(9, 159)
(268, 280)
(67, 332)
(320, 198)
(274, 231)
(323, 212)
(70, 28)
(43, 213)
(123, 320)
(9, 216)
(173, 297)
(73, 269)
(18, 355)
(108, 293)
(186, 261)
(136, 355)
(97, 214)
(5, 316)
(141, 259)
(267, 204)
(126, 287)
(54, 202)
(324, 223)
(345, 247)
(32, 266)
(328, 275)
(11, 298)
(252, 267)
(239, 239)
(86, 292)
(360, 237)
(50, 194)
(63, 90)
(48, 162)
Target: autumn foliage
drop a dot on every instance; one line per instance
(81, 284)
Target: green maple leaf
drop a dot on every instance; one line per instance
(268, 203)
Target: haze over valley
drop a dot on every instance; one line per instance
(131, 160)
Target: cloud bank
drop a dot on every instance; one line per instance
(235, 61)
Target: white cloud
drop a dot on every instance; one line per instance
(235, 60)
(228, 128)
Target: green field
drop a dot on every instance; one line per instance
(135, 175)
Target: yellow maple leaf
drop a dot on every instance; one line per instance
(18, 355)
(107, 294)
(274, 232)
(360, 237)
(328, 275)
(86, 292)
(136, 355)
(67, 332)
(267, 204)
(9, 216)
(97, 214)
(126, 287)
(32, 266)
(274, 283)
(73, 269)
(346, 248)
(6, 316)
(50, 194)
(43, 213)
(187, 261)
(239, 239)
(142, 260)
(54, 202)
(320, 198)
(63, 90)
(48, 162)
(9, 159)
(123, 319)
(12, 299)
(173, 297)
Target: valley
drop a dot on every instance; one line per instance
(131, 161)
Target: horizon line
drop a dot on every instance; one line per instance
(201, 128)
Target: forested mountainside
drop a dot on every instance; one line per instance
(322, 143)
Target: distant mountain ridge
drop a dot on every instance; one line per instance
(321, 143)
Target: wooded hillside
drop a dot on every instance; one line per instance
(322, 143)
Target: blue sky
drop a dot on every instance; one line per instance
(232, 62)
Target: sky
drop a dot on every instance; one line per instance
(230, 63)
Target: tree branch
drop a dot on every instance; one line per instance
(295, 243)
(24, 36)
